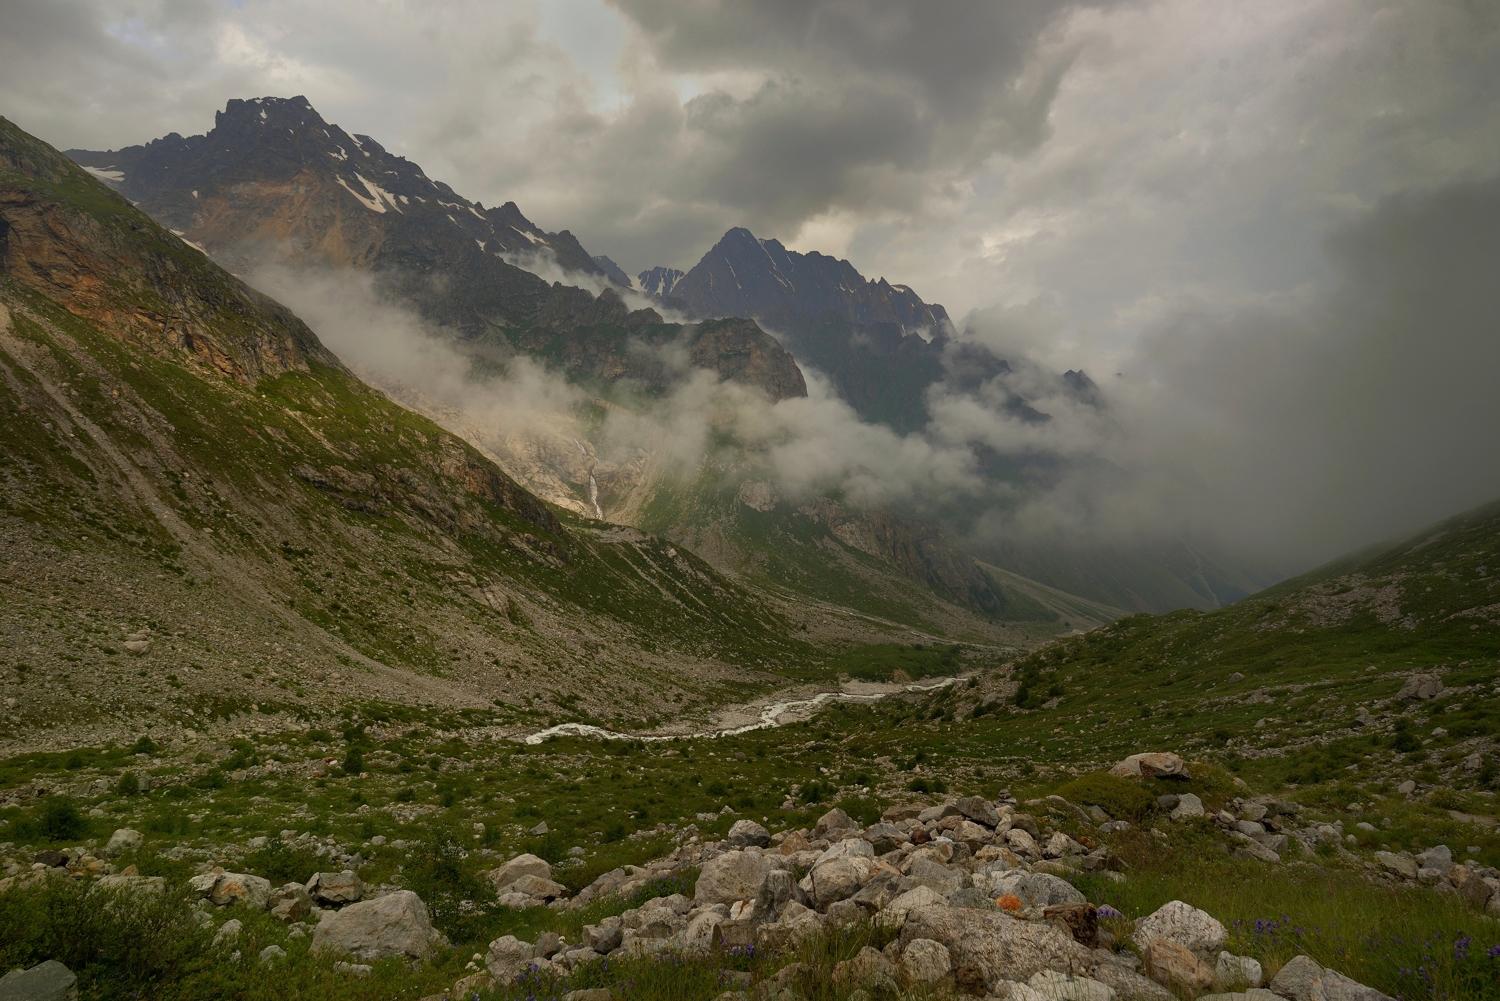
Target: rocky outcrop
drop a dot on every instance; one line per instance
(101, 258)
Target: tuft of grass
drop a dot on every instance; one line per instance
(1118, 797)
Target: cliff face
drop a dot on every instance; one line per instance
(879, 343)
(88, 250)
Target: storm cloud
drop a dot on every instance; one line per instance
(1266, 231)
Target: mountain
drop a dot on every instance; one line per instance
(225, 188)
(274, 182)
(880, 344)
(614, 271)
(659, 281)
(185, 463)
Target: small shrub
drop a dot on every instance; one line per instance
(281, 863)
(128, 784)
(354, 761)
(59, 819)
(145, 745)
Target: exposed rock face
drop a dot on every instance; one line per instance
(273, 180)
(100, 263)
(867, 335)
(396, 924)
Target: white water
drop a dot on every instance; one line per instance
(769, 717)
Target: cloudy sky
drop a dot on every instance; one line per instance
(1269, 230)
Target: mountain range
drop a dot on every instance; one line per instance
(274, 182)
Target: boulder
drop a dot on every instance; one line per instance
(838, 879)
(536, 886)
(886, 838)
(747, 832)
(1021, 842)
(1421, 686)
(508, 958)
(870, 970)
(991, 946)
(290, 902)
(238, 888)
(975, 836)
(1067, 987)
(848, 848)
(47, 981)
(521, 865)
(924, 961)
(1303, 979)
(1177, 968)
(938, 812)
(878, 892)
(779, 887)
(396, 924)
(1184, 924)
(923, 896)
(1129, 985)
(335, 887)
(833, 820)
(979, 810)
(1082, 921)
(1401, 864)
(730, 877)
(1188, 805)
(1440, 858)
(1236, 973)
(1037, 889)
(796, 925)
(123, 840)
(1154, 764)
(794, 843)
(1475, 892)
(1061, 846)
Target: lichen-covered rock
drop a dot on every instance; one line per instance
(1158, 764)
(993, 947)
(47, 981)
(335, 887)
(1037, 889)
(1177, 968)
(1067, 987)
(396, 924)
(924, 961)
(1131, 986)
(1303, 979)
(521, 865)
(748, 832)
(730, 877)
(508, 958)
(1184, 924)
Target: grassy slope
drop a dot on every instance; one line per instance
(300, 524)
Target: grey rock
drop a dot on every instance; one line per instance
(886, 838)
(1068, 987)
(1184, 924)
(1237, 972)
(508, 958)
(747, 832)
(290, 902)
(1421, 686)
(925, 961)
(396, 924)
(538, 830)
(1188, 805)
(335, 887)
(1401, 864)
(777, 888)
(732, 876)
(996, 946)
(832, 821)
(1037, 889)
(270, 954)
(1303, 979)
(228, 931)
(973, 899)
(47, 981)
(521, 865)
(1440, 857)
(979, 810)
(838, 879)
(123, 840)
(1130, 985)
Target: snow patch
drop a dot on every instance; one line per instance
(378, 196)
(183, 237)
(528, 236)
(109, 175)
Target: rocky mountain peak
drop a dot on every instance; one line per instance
(659, 281)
